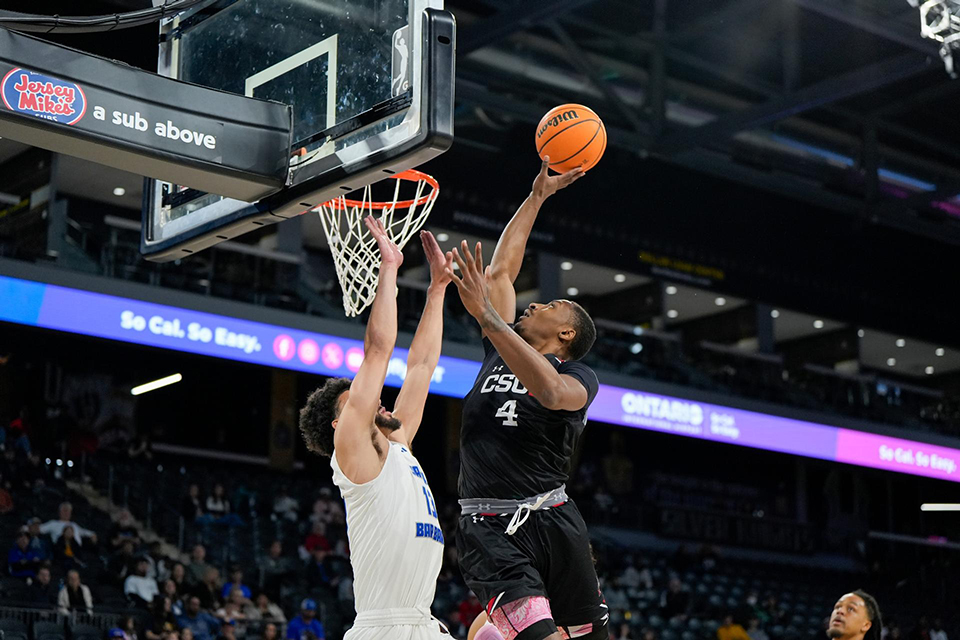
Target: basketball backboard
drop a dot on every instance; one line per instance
(370, 83)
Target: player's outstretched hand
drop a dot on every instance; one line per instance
(546, 185)
(473, 288)
(390, 253)
(440, 262)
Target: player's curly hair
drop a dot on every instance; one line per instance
(317, 416)
(586, 333)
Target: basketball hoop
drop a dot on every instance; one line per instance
(355, 252)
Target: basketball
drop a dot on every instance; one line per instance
(572, 135)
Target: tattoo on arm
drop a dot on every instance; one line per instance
(492, 322)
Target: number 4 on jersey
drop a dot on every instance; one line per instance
(509, 413)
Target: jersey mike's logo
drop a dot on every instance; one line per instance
(43, 96)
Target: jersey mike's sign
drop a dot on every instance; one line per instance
(43, 96)
(138, 322)
(113, 114)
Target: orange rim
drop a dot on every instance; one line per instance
(411, 175)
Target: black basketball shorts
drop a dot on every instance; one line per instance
(548, 556)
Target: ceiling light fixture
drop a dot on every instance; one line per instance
(720, 302)
(566, 265)
(818, 324)
(156, 384)
(901, 342)
(672, 313)
(443, 237)
(572, 291)
(619, 278)
(939, 352)
(119, 191)
(671, 290)
(636, 347)
(775, 313)
(939, 506)
(928, 371)
(891, 362)
(860, 333)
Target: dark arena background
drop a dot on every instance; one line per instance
(770, 249)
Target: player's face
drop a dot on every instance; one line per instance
(544, 320)
(849, 618)
(383, 418)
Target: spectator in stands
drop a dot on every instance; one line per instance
(616, 598)
(275, 569)
(649, 634)
(171, 591)
(22, 561)
(201, 624)
(319, 573)
(751, 608)
(197, 568)
(74, 596)
(209, 590)
(675, 600)
(67, 552)
(263, 609)
(755, 631)
(186, 633)
(236, 582)
(140, 588)
(119, 564)
(6, 500)
(123, 529)
(217, 504)
(937, 632)
(55, 528)
(158, 565)
(730, 630)
(306, 623)
(228, 630)
(625, 632)
(326, 509)
(634, 577)
(38, 543)
(469, 609)
(129, 627)
(855, 616)
(774, 612)
(922, 630)
(42, 591)
(163, 621)
(285, 507)
(233, 609)
(192, 507)
(270, 632)
(317, 538)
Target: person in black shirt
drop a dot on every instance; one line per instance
(521, 423)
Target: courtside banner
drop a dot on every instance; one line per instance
(113, 114)
(135, 321)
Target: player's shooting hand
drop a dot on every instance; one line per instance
(439, 262)
(390, 254)
(473, 288)
(546, 185)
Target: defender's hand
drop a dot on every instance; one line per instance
(439, 262)
(390, 254)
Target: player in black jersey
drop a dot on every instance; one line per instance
(522, 543)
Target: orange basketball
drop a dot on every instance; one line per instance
(573, 136)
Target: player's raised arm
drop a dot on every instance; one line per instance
(425, 349)
(355, 433)
(552, 389)
(508, 256)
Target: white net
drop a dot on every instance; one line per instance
(940, 21)
(355, 252)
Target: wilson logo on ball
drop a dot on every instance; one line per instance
(43, 96)
(557, 119)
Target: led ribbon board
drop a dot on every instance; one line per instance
(95, 314)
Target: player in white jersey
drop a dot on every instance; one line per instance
(396, 545)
